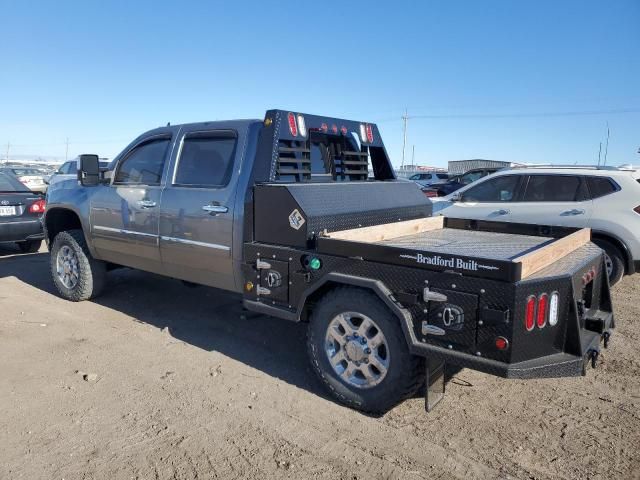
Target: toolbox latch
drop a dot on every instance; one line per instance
(262, 265)
(430, 296)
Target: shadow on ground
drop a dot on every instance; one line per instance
(207, 318)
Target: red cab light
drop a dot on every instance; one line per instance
(543, 303)
(37, 206)
(369, 133)
(293, 127)
(530, 313)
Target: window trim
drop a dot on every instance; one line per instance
(218, 132)
(127, 154)
(517, 189)
(580, 177)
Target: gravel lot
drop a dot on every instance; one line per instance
(158, 380)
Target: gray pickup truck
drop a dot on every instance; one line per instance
(304, 217)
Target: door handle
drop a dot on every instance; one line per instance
(502, 211)
(215, 208)
(575, 211)
(147, 203)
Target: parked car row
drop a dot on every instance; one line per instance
(31, 178)
(605, 199)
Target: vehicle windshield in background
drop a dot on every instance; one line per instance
(8, 184)
(25, 171)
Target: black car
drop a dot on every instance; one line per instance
(456, 182)
(20, 215)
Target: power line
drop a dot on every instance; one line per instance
(515, 115)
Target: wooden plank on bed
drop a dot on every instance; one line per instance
(546, 255)
(378, 233)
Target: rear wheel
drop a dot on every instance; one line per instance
(76, 274)
(30, 246)
(613, 259)
(358, 350)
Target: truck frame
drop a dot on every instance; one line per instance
(309, 223)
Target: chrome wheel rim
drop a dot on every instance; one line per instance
(357, 350)
(67, 268)
(608, 263)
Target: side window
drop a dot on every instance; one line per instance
(601, 186)
(72, 168)
(555, 188)
(64, 168)
(498, 189)
(415, 177)
(144, 164)
(206, 159)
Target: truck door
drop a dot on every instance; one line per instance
(196, 217)
(125, 214)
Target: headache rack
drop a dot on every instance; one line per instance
(312, 148)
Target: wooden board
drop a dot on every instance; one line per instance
(378, 233)
(544, 256)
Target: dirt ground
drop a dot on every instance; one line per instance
(179, 386)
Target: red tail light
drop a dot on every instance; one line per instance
(293, 127)
(37, 206)
(530, 313)
(543, 302)
(369, 133)
(430, 193)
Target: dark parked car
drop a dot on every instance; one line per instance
(458, 181)
(20, 214)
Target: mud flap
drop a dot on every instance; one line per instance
(434, 383)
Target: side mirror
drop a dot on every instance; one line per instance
(456, 197)
(88, 170)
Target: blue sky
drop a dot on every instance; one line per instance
(100, 73)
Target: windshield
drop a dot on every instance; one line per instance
(9, 184)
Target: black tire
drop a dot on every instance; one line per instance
(29, 246)
(91, 272)
(614, 260)
(405, 373)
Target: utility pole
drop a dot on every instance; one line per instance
(606, 148)
(599, 153)
(66, 152)
(405, 117)
(413, 156)
(6, 159)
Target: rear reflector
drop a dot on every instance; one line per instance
(369, 133)
(293, 128)
(530, 313)
(502, 343)
(37, 206)
(553, 309)
(302, 127)
(543, 302)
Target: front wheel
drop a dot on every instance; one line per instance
(358, 350)
(76, 274)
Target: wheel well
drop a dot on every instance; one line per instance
(616, 243)
(58, 220)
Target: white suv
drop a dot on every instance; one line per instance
(606, 199)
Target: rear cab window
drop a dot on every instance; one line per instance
(206, 159)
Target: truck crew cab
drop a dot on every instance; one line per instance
(303, 216)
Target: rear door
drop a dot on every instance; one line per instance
(490, 199)
(196, 217)
(554, 199)
(125, 214)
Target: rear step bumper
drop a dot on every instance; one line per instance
(550, 366)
